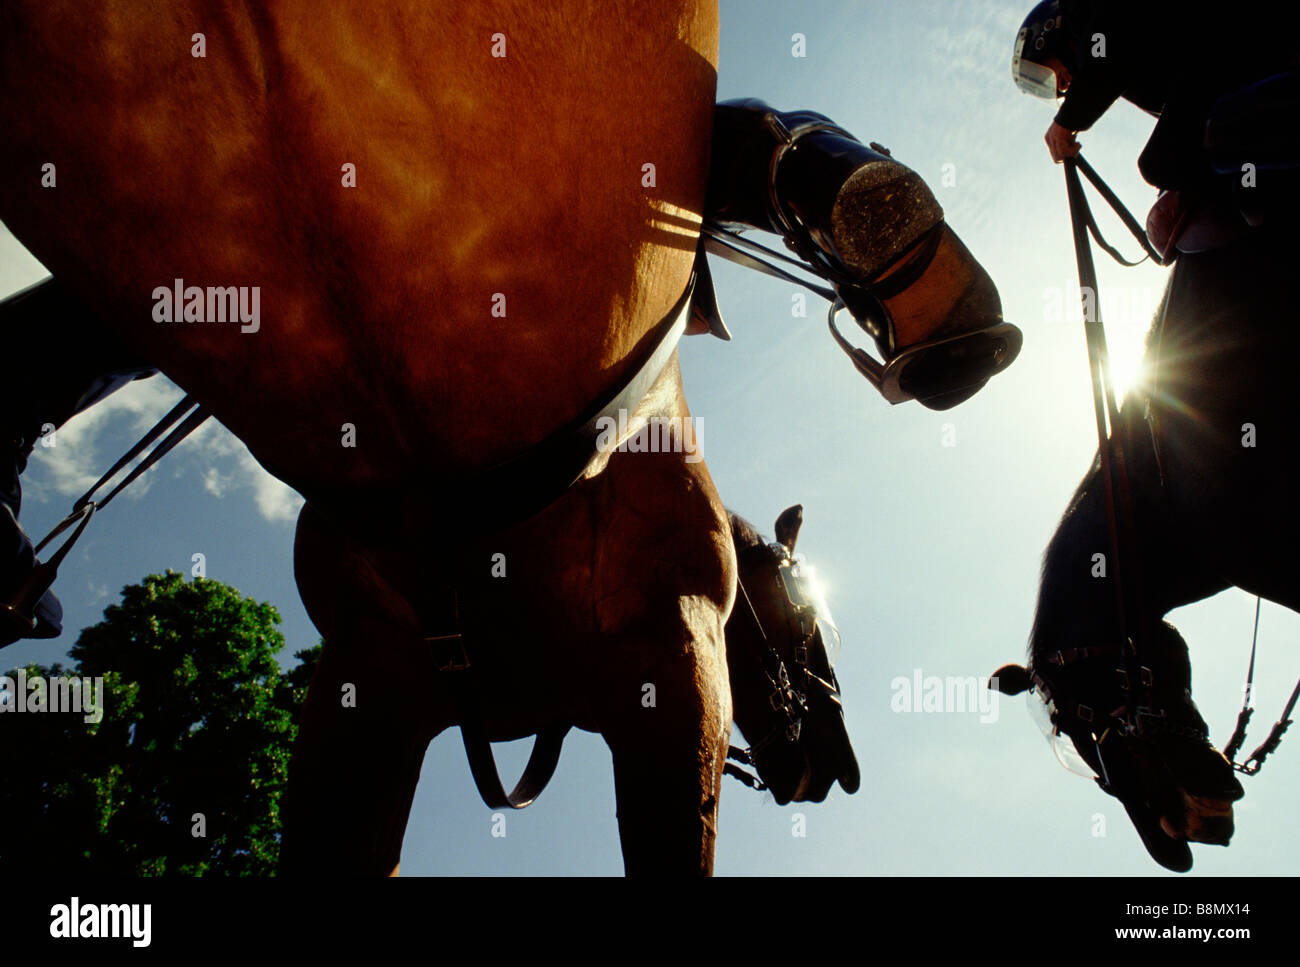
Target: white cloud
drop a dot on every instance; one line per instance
(81, 453)
(214, 483)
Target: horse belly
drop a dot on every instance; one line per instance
(457, 220)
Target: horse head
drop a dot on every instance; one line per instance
(1143, 741)
(784, 692)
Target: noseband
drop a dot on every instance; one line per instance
(1140, 716)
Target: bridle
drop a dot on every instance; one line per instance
(1142, 715)
(1075, 718)
(791, 687)
(922, 371)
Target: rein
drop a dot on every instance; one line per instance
(1119, 498)
(20, 611)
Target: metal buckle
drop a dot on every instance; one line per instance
(452, 656)
(1145, 712)
(1081, 709)
(801, 653)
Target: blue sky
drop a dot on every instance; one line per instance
(931, 552)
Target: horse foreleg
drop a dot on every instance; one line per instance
(366, 723)
(669, 738)
(356, 763)
(664, 587)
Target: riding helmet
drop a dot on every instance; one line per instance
(1040, 38)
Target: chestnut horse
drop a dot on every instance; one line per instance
(463, 224)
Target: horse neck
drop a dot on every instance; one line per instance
(1076, 608)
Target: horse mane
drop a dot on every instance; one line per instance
(743, 533)
(1132, 402)
(1061, 536)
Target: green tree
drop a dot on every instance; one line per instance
(197, 727)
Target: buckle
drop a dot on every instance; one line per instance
(1146, 713)
(1084, 712)
(449, 652)
(772, 120)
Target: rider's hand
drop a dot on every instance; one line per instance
(1061, 143)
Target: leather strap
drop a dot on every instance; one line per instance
(1126, 216)
(537, 773)
(452, 659)
(19, 613)
(1121, 525)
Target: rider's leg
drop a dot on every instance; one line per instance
(44, 387)
(857, 204)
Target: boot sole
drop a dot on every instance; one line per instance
(880, 210)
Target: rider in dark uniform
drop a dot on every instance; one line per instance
(1171, 60)
(45, 389)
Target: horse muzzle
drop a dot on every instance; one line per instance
(1177, 791)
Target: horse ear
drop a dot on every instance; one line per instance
(787, 526)
(1011, 680)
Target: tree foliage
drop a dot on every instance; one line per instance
(185, 771)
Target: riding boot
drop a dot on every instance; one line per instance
(855, 204)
